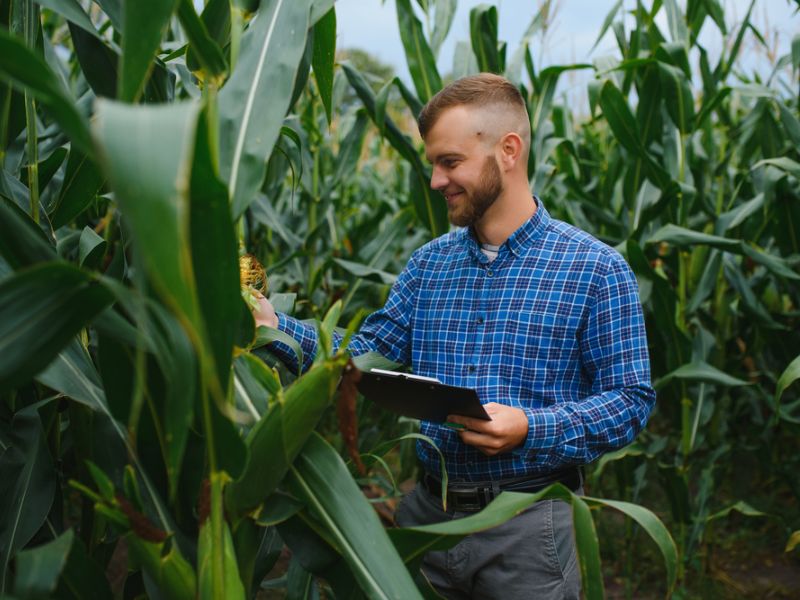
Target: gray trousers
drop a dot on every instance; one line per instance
(530, 556)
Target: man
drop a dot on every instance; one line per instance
(540, 318)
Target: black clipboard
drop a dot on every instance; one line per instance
(420, 397)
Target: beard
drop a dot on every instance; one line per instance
(477, 202)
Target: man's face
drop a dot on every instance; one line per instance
(465, 170)
(466, 212)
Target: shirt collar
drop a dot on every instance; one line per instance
(530, 231)
(518, 242)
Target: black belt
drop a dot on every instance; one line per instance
(471, 496)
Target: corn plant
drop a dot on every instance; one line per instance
(145, 146)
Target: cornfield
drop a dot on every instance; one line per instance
(151, 445)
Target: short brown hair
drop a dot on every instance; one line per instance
(476, 90)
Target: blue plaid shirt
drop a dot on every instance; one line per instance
(553, 326)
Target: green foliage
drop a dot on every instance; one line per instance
(130, 370)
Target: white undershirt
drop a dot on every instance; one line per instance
(490, 251)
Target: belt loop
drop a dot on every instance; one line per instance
(495, 490)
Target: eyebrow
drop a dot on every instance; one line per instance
(445, 156)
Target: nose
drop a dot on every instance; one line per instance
(438, 178)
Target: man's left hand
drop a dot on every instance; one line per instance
(507, 429)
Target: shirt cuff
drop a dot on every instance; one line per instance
(544, 430)
(304, 333)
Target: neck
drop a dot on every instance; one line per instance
(510, 211)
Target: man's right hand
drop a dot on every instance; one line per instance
(265, 314)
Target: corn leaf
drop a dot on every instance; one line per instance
(606, 23)
(203, 50)
(159, 141)
(38, 569)
(164, 563)
(91, 248)
(777, 265)
(483, 35)
(421, 61)
(24, 70)
(82, 181)
(737, 216)
(464, 62)
(27, 485)
(72, 11)
(677, 22)
(445, 12)
(588, 549)
(43, 308)
(216, 17)
(214, 254)
(750, 303)
(234, 589)
(257, 380)
(322, 60)
(413, 542)
(724, 66)
(619, 117)
(22, 243)
(144, 24)
(793, 541)
(699, 371)
(677, 96)
(539, 22)
(178, 362)
(319, 8)
(350, 148)
(73, 374)
(654, 528)
(784, 163)
(682, 237)
(320, 478)
(99, 63)
(740, 507)
(258, 94)
(266, 335)
(61, 563)
(365, 271)
(432, 213)
(113, 9)
(787, 378)
(279, 435)
(548, 81)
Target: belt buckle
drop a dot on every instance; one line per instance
(467, 499)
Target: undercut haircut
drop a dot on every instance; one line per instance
(479, 91)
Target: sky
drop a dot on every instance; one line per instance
(372, 25)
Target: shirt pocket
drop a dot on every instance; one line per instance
(544, 347)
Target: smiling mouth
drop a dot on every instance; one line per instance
(450, 198)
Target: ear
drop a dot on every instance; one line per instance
(509, 150)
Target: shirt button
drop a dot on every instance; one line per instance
(480, 320)
(489, 273)
(471, 368)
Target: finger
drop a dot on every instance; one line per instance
(468, 422)
(476, 438)
(485, 444)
